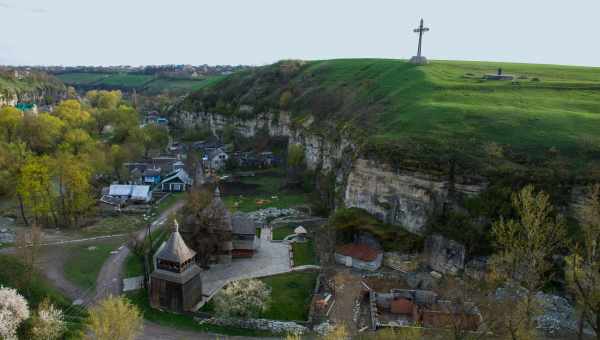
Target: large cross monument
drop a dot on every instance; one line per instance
(419, 59)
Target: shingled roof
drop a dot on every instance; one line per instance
(175, 249)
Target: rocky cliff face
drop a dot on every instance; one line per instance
(403, 198)
(8, 99)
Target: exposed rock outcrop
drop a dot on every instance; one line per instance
(399, 197)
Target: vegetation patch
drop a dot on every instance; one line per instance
(180, 321)
(281, 232)
(304, 253)
(85, 261)
(290, 296)
(122, 224)
(347, 222)
(35, 289)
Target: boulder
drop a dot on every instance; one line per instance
(445, 256)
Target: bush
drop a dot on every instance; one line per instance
(13, 311)
(244, 298)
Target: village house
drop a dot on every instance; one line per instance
(176, 181)
(130, 192)
(175, 283)
(215, 159)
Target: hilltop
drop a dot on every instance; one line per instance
(546, 120)
(29, 85)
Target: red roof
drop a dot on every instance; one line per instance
(401, 306)
(358, 251)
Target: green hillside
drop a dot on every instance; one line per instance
(148, 84)
(30, 84)
(547, 119)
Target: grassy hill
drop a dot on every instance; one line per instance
(148, 84)
(30, 85)
(547, 119)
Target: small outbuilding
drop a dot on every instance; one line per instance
(245, 242)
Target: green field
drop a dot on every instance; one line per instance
(83, 265)
(427, 116)
(290, 295)
(148, 84)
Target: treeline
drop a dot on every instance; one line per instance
(55, 163)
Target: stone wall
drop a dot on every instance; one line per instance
(278, 327)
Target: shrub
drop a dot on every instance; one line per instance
(244, 298)
(48, 322)
(13, 311)
(114, 318)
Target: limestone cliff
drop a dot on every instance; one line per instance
(400, 197)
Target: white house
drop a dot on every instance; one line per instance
(215, 159)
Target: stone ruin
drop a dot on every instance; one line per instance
(445, 256)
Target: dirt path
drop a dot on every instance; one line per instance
(110, 278)
(347, 290)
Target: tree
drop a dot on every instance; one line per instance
(10, 119)
(296, 162)
(157, 138)
(526, 245)
(104, 99)
(74, 188)
(14, 156)
(13, 311)
(71, 113)
(78, 141)
(114, 318)
(34, 185)
(42, 132)
(583, 266)
(243, 298)
(48, 322)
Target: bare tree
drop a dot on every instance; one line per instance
(28, 245)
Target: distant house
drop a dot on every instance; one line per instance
(177, 181)
(136, 193)
(245, 242)
(215, 159)
(151, 176)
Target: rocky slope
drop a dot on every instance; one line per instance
(400, 197)
(32, 87)
(407, 143)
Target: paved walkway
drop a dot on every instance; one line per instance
(271, 258)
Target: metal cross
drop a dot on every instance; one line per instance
(420, 30)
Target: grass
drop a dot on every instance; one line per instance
(281, 232)
(304, 253)
(168, 202)
(268, 193)
(290, 296)
(186, 322)
(83, 265)
(122, 224)
(134, 265)
(425, 115)
(35, 289)
(148, 84)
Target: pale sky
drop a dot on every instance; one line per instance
(256, 32)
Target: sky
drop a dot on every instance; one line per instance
(258, 32)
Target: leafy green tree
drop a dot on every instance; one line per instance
(34, 185)
(12, 159)
(42, 132)
(104, 99)
(74, 189)
(526, 245)
(114, 318)
(78, 141)
(10, 119)
(71, 112)
(583, 266)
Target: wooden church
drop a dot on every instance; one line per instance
(175, 284)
